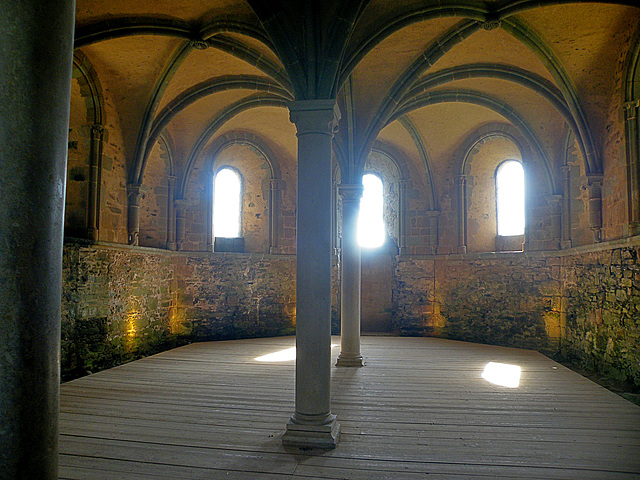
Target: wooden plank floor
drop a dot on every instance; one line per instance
(419, 410)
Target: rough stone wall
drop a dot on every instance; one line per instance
(154, 200)
(602, 289)
(121, 303)
(113, 179)
(507, 299)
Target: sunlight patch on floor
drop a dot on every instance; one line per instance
(502, 374)
(285, 355)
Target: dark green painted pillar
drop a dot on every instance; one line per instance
(35, 80)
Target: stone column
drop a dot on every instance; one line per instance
(595, 206)
(133, 212)
(171, 213)
(35, 74)
(274, 202)
(210, 195)
(566, 207)
(350, 278)
(312, 424)
(180, 206)
(632, 130)
(95, 161)
(461, 182)
(402, 216)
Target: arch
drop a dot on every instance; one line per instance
(235, 109)
(462, 167)
(200, 91)
(90, 88)
(483, 100)
(527, 36)
(524, 78)
(436, 50)
(426, 163)
(488, 16)
(275, 176)
(119, 27)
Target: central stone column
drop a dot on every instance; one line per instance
(350, 278)
(312, 424)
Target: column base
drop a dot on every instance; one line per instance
(310, 435)
(350, 361)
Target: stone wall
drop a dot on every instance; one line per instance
(510, 299)
(602, 289)
(120, 303)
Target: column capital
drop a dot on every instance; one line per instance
(314, 116)
(180, 203)
(172, 180)
(350, 192)
(595, 179)
(97, 130)
(461, 179)
(133, 192)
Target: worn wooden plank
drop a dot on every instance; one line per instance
(419, 407)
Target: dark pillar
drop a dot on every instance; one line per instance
(35, 81)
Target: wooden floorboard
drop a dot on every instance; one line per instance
(418, 409)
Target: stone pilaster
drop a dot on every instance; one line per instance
(595, 206)
(171, 213)
(35, 74)
(350, 284)
(632, 131)
(274, 204)
(313, 424)
(95, 162)
(180, 206)
(566, 207)
(461, 186)
(402, 216)
(133, 212)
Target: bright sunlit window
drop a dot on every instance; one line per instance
(227, 197)
(370, 219)
(510, 198)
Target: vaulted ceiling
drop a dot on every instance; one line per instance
(418, 75)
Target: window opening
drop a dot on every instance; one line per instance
(510, 198)
(227, 201)
(371, 232)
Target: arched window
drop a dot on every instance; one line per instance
(227, 203)
(510, 198)
(371, 232)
